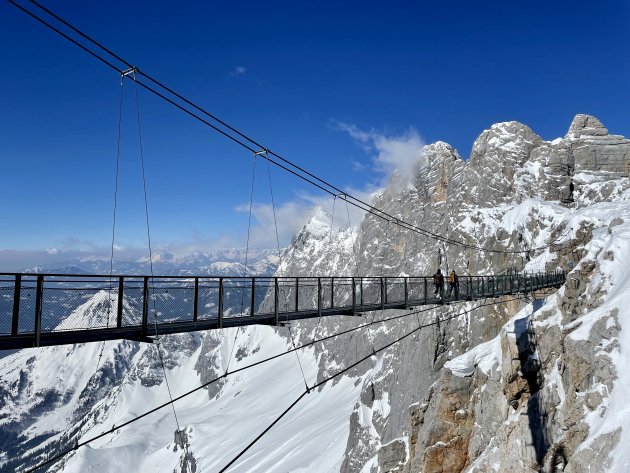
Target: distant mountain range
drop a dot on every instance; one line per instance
(224, 262)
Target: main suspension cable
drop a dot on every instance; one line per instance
(242, 139)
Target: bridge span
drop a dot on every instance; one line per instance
(55, 309)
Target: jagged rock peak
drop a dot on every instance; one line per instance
(319, 223)
(586, 125)
(503, 133)
(440, 149)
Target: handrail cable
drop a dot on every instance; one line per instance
(330, 378)
(242, 368)
(294, 169)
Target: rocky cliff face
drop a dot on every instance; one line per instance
(526, 411)
(516, 384)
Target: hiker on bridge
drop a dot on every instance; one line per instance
(453, 284)
(438, 281)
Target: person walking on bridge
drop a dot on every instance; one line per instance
(453, 284)
(438, 281)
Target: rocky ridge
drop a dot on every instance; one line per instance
(543, 195)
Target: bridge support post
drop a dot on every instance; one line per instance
(319, 297)
(16, 304)
(382, 294)
(253, 300)
(354, 297)
(119, 305)
(426, 291)
(276, 300)
(297, 292)
(196, 301)
(39, 296)
(145, 307)
(220, 312)
(525, 283)
(385, 291)
(361, 289)
(406, 293)
(332, 292)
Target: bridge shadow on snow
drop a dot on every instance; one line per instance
(530, 369)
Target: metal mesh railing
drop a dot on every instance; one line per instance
(58, 303)
(208, 300)
(6, 307)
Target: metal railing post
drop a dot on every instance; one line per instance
(145, 306)
(196, 301)
(119, 305)
(38, 308)
(406, 293)
(525, 279)
(276, 301)
(426, 295)
(16, 304)
(220, 312)
(361, 289)
(332, 292)
(253, 299)
(319, 297)
(354, 297)
(382, 294)
(297, 291)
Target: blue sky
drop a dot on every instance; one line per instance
(295, 76)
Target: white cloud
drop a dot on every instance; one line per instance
(290, 217)
(393, 158)
(398, 154)
(238, 71)
(388, 156)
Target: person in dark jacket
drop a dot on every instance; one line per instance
(453, 284)
(438, 282)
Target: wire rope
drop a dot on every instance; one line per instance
(157, 343)
(249, 228)
(252, 365)
(269, 155)
(324, 381)
(111, 259)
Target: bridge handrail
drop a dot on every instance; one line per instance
(29, 300)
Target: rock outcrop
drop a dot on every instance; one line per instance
(514, 193)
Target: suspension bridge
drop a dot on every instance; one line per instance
(55, 309)
(38, 310)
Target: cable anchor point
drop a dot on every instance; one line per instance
(262, 152)
(131, 71)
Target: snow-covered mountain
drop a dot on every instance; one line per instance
(225, 262)
(521, 386)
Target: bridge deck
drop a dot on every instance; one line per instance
(55, 309)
